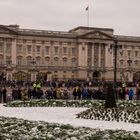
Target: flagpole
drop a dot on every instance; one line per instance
(87, 9)
(88, 17)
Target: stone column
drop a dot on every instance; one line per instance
(82, 55)
(107, 55)
(99, 57)
(14, 49)
(4, 51)
(92, 61)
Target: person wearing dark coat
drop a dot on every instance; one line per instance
(4, 91)
(0, 95)
(131, 94)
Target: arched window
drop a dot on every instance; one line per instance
(47, 61)
(38, 61)
(73, 62)
(38, 49)
(29, 58)
(19, 60)
(56, 61)
(136, 63)
(65, 61)
(47, 49)
(1, 47)
(121, 63)
(1, 59)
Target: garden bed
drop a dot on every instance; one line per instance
(17, 129)
(120, 114)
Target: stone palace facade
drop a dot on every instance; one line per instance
(82, 53)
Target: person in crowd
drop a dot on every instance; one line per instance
(120, 93)
(123, 90)
(39, 93)
(49, 93)
(131, 94)
(4, 91)
(78, 92)
(29, 93)
(24, 94)
(55, 93)
(74, 93)
(138, 91)
(34, 94)
(0, 95)
(19, 93)
(84, 93)
(127, 94)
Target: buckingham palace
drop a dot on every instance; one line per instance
(82, 53)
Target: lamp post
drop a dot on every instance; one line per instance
(111, 91)
(114, 47)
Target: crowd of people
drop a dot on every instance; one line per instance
(64, 90)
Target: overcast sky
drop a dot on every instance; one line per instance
(62, 15)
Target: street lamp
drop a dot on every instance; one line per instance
(115, 47)
(111, 95)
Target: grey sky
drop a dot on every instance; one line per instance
(62, 15)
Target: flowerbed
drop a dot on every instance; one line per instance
(129, 115)
(17, 129)
(69, 103)
(55, 103)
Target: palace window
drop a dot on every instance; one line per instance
(73, 61)
(129, 53)
(1, 59)
(8, 48)
(121, 52)
(19, 48)
(69, 43)
(56, 61)
(73, 51)
(47, 50)
(136, 53)
(121, 63)
(38, 48)
(56, 50)
(136, 63)
(29, 49)
(29, 60)
(38, 59)
(64, 61)
(47, 61)
(19, 60)
(64, 50)
(8, 60)
(102, 62)
(1, 47)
